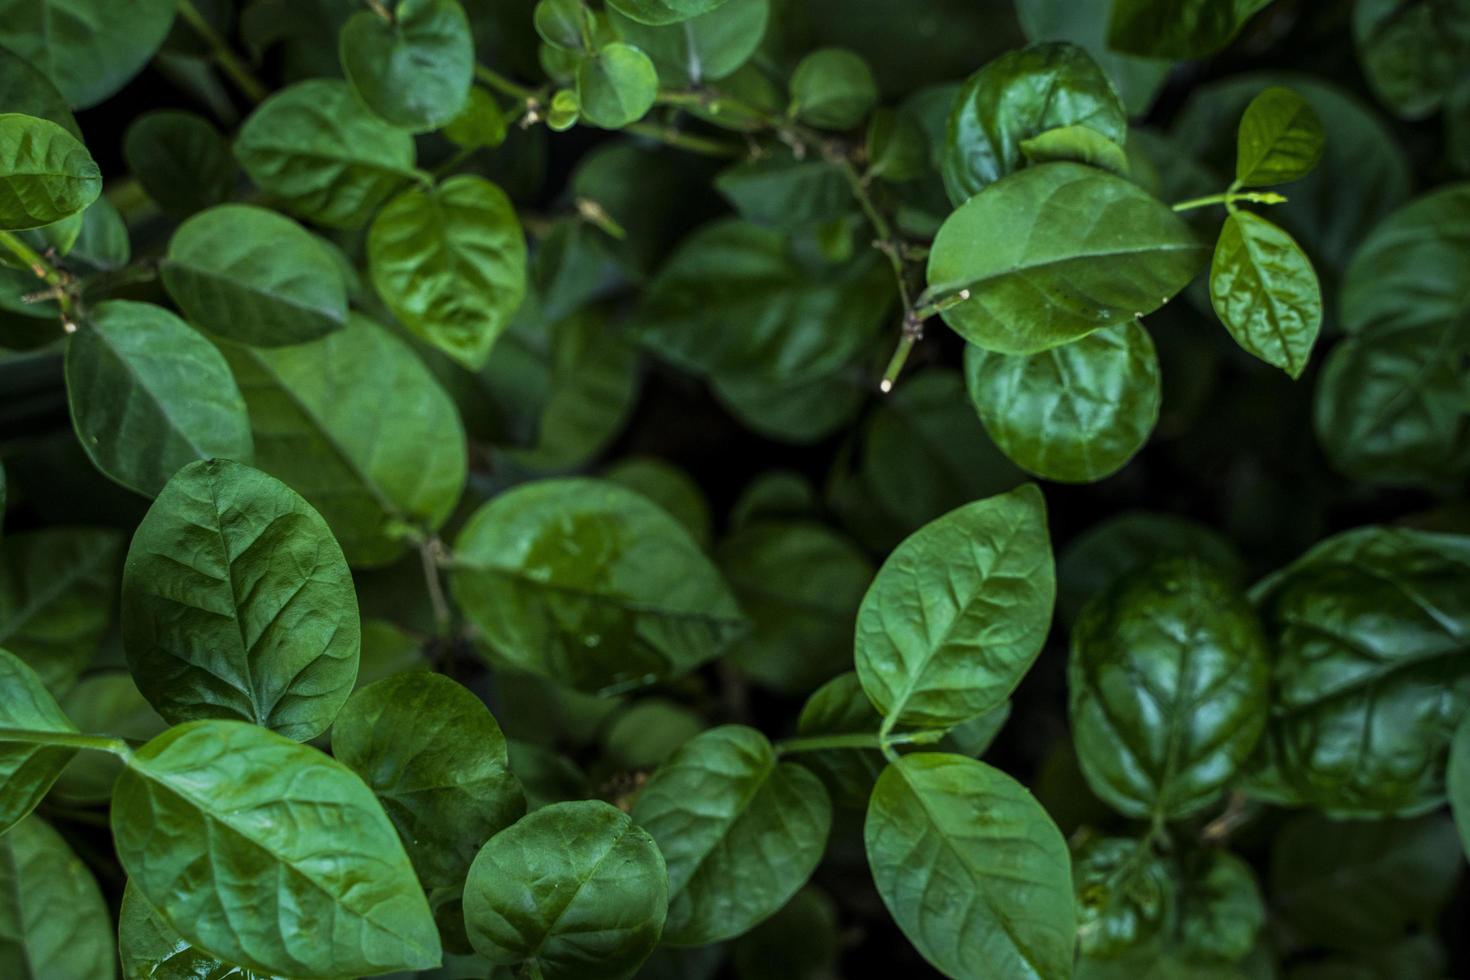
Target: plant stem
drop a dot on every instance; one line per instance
(228, 61)
(1230, 197)
(856, 740)
(431, 549)
(686, 141)
(504, 85)
(59, 282)
(68, 740)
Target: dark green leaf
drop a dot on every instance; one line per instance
(616, 86)
(46, 174)
(89, 48)
(216, 816)
(27, 768)
(414, 71)
(1412, 52)
(1280, 139)
(671, 488)
(800, 942)
(180, 159)
(1265, 291)
(25, 88)
(1220, 908)
(1177, 28)
(782, 191)
(650, 731)
(52, 917)
(833, 88)
(1125, 894)
(658, 12)
(106, 701)
(1085, 23)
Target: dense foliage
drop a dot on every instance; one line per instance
(760, 489)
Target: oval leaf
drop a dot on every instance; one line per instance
(657, 12)
(1265, 291)
(151, 948)
(30, 766)
(616, 86)
(416, 70)
(181, 160)
(1280, 139)
(55, 923)
(46, 174)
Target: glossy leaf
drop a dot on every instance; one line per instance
(1075, 413)
(237, 603)
(214, 816)
(1265, 291)
(88, 48)
(54, 924)
(356, 424)
(1054, 252)
(434, 756)
(1177, 28)
(416, 70)
(705, 48)
(1018, 97)
(740, 831)
(46, 174)
(323, 155)
(590, 584)
(251, 276)
(149, 395)
(577, 889)
(958, 612)
(972, 869)
(181, 160)
(833, 88)
(658, 12)
(616, 86)
(1124, 895)
(451, 264)
(1280, 139)
(27, 768)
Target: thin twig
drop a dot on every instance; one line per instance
(230, 63)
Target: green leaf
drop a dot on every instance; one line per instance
(1077, 143)
(434, 756)
(181, 160)
(25, 88)
(1220, 909)
(1411, 52)
(559, 23)
(1085, 23)
(1457, 780)
(577, 889)
(800, 583)
(705, 48)
(972, 869)
(1075, 413)
(616, 86)
(27, 768)
(1265, 291)
(356, 424)
(1358, 884)
(1017, 97)
(1125, 894)
(781, 191)
(896, 145)
(216, 816)
(833, 88)
(735, 303)
(151, 948)
(46, 174)
(149, 395)
(325, 156)
(1280, 139)
(800, 942)
(254, 277)
(671, 488)
(450, 262)
(839, 707)
(590, 584)
(56, 596)
(659, 12)
(1168, 689)
(480, 123)
(1366, 627)
(55, 923)
(958, 612)
(237, 603)
(414, 71)
(88, 48)
(1054, 252)
(1177, 29)
(741, 832)
(649, 731)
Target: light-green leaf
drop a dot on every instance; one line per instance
(1054, 252)
(149, 395)
(1265, 291)
(833, 88)
(254, 277)
(450, 262)
(1280, 139)
(575, 888)
(237, 603)
(27, 768)
(958, 612)
(972, 869)
(52, 917)
(616, 86)
(741, 832)
(434, 756)
(46, 174)
(416, 70)
(216, 816)
(590, 584)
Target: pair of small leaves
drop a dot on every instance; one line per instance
(46, 174)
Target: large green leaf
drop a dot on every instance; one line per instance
(56, 598)
(450, 262)
(327, 158)
(1177, 28)
(1371, 631)
(237, 603)
(254, 277)
(958, 612)
(150, 947)
(590, 584)
(54, 924)
(89, 48)
(1074, 413)
(972, 869)
(357, 425)
(181, 160)
(1018, 96)
(1055, 251)
(1280, 139)
(149, 395)
(577, 889)
(27, 768)
(705, 48)
(741, 832)
(46, 174)
(434, 756)
(212, 817)
(1168, 688)
(1265, 291)
(415, 70)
